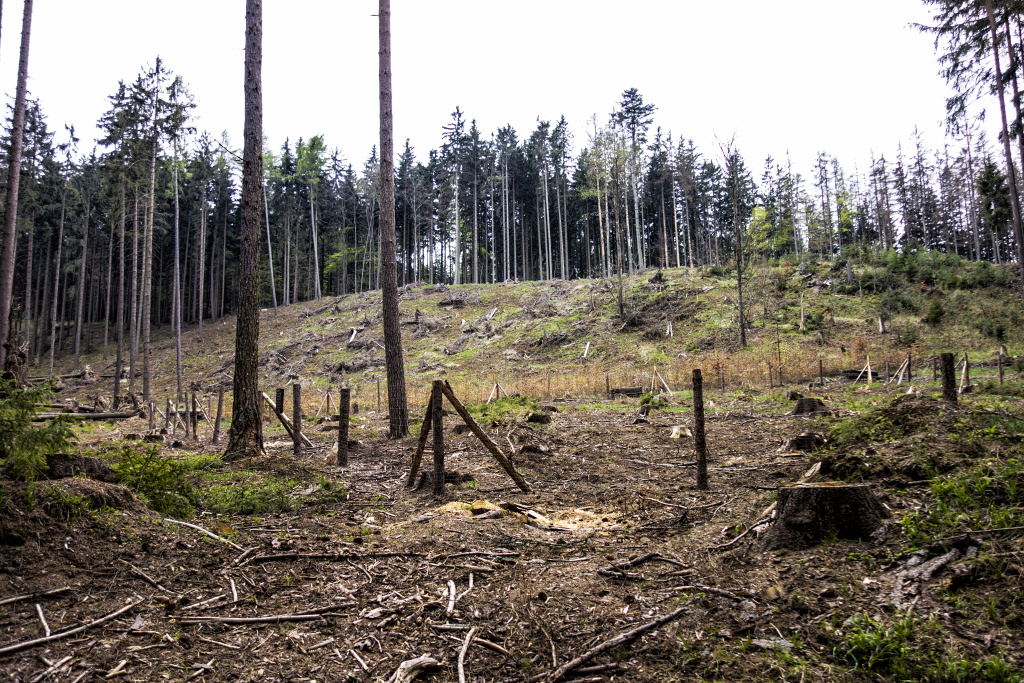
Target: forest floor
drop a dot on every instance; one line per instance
(324, 573)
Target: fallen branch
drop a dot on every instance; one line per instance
(618, 641)
(330, 556)
(205, 532)
(618, 568)
(271, 619)
(462, 654)
(763, 520)
(18, 647)
(710, 589)
(34, 596)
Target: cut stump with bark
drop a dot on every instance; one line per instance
(806, 406)
(811, 513)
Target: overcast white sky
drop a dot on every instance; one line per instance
(797, 75)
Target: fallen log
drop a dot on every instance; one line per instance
(42, 417)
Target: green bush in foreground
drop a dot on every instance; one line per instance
(23, 448)
(159, 481)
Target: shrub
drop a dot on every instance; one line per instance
(935, 312)
(23, 448)
(159, 481)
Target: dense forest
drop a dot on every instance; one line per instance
(104, 235)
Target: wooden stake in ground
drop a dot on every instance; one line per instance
(344, 400)
(220, 414)
(505, 463)
(1000, 361)
(699, 439)
(821, 372)
(297, 417)
(428, 420)
(438, 426)
(948, 377)
(965, 378)
(152, 416)
(285, 422)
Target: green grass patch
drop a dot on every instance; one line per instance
(253, 495)
(909, 648)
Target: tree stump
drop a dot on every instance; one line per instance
(811, 513)
(805, 406)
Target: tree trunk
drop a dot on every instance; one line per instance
(270, 256)
(1010, 171)
(147, 276)
(120, 303)
(246, 436)
(809, 514)
(133, 306)
(398, 412)
(29, 277)
(176, 307)
(56, 277)
(13, 178)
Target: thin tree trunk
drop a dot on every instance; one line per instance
(13, 178)
(133, 313)
(56, 277)
(29, 278)
(147, 276)
(120, 303)
(110, 275)
(176, 306)
(81, 287)
(1010, 171)
(270, 256)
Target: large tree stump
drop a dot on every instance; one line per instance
(811, 513)
(806, 406)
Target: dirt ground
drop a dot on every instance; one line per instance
(348, 587)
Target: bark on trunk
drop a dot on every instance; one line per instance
(246, 436)
(809, 514)
(13, 177)
(398, 412)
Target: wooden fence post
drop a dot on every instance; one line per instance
(297, 416)
(948, 378)
(170, 422)
(220, 413)
(438, 424)
(344, 398)
(195, 416)
(428, 421)
(152, 416)
(699, 438)
(910, 372)
(1000, 366)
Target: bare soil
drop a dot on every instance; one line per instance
(372, 573)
